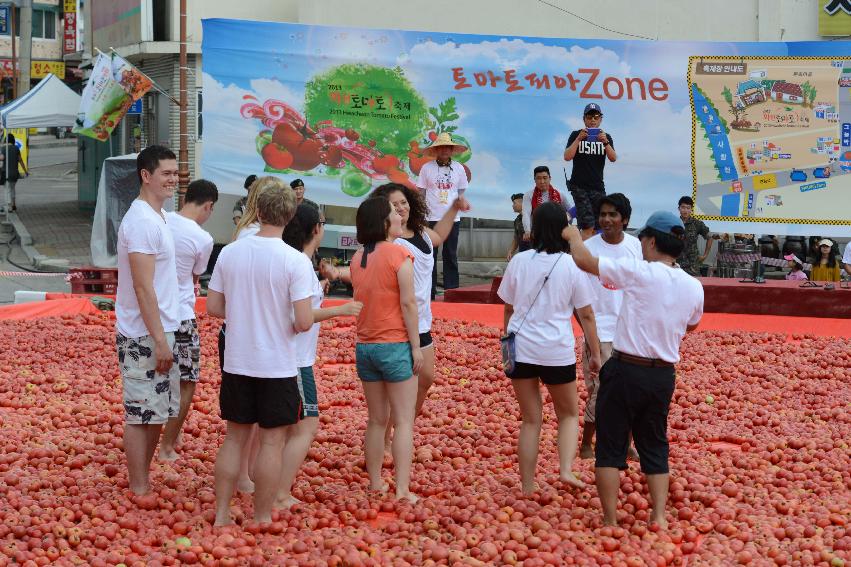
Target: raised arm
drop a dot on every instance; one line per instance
(441, 230)
(586, 261)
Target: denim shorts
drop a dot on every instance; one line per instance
(387, 362)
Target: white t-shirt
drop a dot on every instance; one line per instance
(659, 302)
(441, 186)
(192, 248)
(261, 278)
(423, 266)
(306, 342)
(249, 230)
(607, 306)
(526, 214)
(144, 231)
(546, 337)
(846, 256)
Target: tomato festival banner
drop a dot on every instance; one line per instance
(348, 109)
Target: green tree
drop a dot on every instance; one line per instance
(728, 96)
(324, 99)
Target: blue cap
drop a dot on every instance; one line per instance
(592, 107)
(664, 221)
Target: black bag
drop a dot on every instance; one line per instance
(507, 342)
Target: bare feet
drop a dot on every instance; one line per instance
(571, 479)
(221, 522)
(167, 455)
(609, 521)
(408, 495)
(245, 485)
(286, 503)
(586, 452)
(660, 520)
(140, 490)
(382, 488)
(528, 489)
(632, 454)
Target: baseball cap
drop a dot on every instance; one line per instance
(825, 242)
(793, 258)
(664, 221)
(592, 108)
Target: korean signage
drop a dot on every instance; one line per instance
(834, 17)
(70, 6)
(4, 20)
(69, 35)
(724, 122)
(38, 69)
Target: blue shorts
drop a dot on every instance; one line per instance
(388, 362)
(307, 390)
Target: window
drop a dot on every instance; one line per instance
(44, 24)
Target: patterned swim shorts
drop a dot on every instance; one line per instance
(188, 350)
(150, 398)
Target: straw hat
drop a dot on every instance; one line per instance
(444, 139)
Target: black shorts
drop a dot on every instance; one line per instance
(633, 399)
(552, 375)
(587, 203)
(268, 402)
(425, 339)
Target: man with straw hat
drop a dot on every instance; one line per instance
(441, 181)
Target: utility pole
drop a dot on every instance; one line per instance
(183, 149)
(26, 45)
(12, 8)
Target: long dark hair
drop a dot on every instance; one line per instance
(832, 254)
(416, 203)
(548, 220)
(299, 231)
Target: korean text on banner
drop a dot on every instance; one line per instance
(348, 109)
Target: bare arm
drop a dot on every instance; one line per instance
(348, 309)
(570, 150)
(441, 230)
(513, 248)
(216, 303)
(586, 261)
(334, 273)
(142, 273)
(303, 311)
(405, 277)
(507, 312)
(589, 327)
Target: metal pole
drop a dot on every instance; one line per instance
(183, 152)
(26, 44)
(12, 9)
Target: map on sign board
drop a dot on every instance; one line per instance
(771, 138)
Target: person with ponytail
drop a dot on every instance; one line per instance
(387, 354)
(304, 233)
(542, 192)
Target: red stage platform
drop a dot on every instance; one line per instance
(725, 295)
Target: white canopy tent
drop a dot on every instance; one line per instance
(51, 103)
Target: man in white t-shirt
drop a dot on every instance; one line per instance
(192, 247)
(611, 242)
(846, 259)
(263, 287)
(661, 304)
(441, 182)
(147, 313)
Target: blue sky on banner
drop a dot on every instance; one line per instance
(510, 132)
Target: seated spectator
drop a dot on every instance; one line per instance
(796, 268)
(826, 266)
(846, 259)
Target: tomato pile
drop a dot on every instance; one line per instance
(760, 427)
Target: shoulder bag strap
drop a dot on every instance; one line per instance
(547, 277)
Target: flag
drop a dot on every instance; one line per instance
(112, 88)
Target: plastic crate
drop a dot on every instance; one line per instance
(91, 280)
